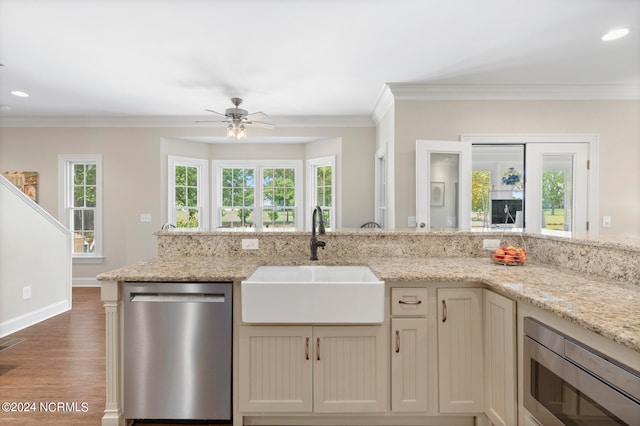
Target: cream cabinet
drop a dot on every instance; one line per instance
(460, 350)
(500, 364)
(275, 369)
(409, 374)
(322, 369)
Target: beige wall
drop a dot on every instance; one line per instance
(135, 177)
(616, 122)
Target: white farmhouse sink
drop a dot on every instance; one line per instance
(312, 295)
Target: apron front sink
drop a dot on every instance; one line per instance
(313, 295)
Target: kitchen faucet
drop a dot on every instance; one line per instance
(314, 241)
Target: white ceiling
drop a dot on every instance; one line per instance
(297, 58)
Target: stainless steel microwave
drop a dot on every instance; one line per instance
(569, 383)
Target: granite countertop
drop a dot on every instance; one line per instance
(605, 307)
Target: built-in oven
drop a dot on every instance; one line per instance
(569, 383)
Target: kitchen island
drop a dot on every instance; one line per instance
(605, 305)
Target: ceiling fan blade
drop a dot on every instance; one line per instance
(261, 124)
(215, 112)
(212, 121)
(255, 116)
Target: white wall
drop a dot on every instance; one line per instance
(616, 122)
(35, 253)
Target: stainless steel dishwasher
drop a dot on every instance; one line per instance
(177, 351)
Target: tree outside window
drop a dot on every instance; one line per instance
(238, 197)
(480, 185)
(279, 197)
(84, 206)
(186, 197)
(553, 196)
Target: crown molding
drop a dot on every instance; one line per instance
(406, 91)
(168, 121)
(383, 103)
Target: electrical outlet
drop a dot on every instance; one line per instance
(249, 244)
(606, 221)
(490, 244)
(26, 292)
(411, 222)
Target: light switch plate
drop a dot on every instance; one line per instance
(606, 221)
(249, 244)
(146, 217)
(490, 244)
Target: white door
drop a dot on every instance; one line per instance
(557, 188)
(443, 185)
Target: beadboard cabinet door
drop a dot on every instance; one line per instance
(349, 372)
(304, 369)
(275, 369)
(460, 350)
(500, 365)
(409, 376)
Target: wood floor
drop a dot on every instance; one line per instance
(54, 373)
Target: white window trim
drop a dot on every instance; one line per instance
(65, 195)
(218, 165)
(311, 192)
(381, 194)
(203, 190)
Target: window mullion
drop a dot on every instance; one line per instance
(258, 199)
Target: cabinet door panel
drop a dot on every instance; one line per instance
(409, 365)
(350, 372)
(460, 350)
(274, 372)
(500, 359)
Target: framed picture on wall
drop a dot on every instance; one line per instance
(437, 194)
(27, 182)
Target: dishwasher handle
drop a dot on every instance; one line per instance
(178, 297)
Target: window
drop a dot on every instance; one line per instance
(188, 191)
(480, 186)
(81, 203)
(321, 189)
(262, 195)
(238, 197)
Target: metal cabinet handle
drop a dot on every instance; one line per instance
(318, 349)
(397, 341)
(409, 302)
(306, 348)
(444, 311)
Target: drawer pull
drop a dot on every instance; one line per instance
(410, 302)
(397, 341)
(306, 348)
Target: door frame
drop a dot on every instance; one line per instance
(593, 140)
(424, 149)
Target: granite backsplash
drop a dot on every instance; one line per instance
(614, 261)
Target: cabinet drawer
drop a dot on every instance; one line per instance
(408, 301)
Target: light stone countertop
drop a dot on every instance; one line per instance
(605, 307)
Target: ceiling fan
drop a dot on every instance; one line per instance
(238, 118)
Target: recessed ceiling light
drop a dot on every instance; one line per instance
(615, 34)
(20, 93)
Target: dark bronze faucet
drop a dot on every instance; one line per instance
(314, 241)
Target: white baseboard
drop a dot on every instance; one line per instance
(32, 318)
(85, 282)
